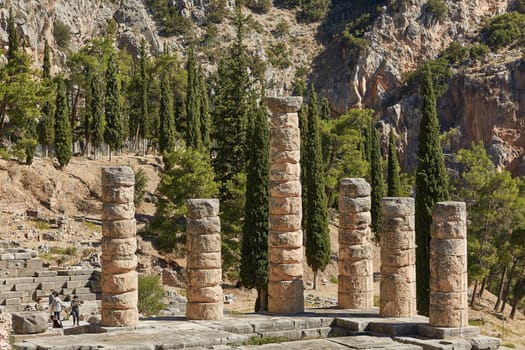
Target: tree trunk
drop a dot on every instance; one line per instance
(482, 289)
(262, 296)
(46, 151)
(144, 143)
(316, 275)
(474, 292)
(507, 287)
(515, 301)
(109, 152)
(500, 288)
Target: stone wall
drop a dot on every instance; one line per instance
(448, 265)
(356, 278)
(205, 296)
(285, 237)
(398, 258)
(119, 244)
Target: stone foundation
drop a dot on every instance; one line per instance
(398, 258)
(119, 279)
(356, 279)
(205, 296)
(448, 266)
(285, 238)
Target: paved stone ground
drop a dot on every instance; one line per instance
(316, 329)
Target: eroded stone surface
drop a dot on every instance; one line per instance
(355, 287)
(398, 268)
(285, 238)
(119, 282)
(448, 266)
(205, 295)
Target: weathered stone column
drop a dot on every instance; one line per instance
(119, 244)
(203, 236)
(285, 238)
(398, 258)
(448, 265)
(356, 275)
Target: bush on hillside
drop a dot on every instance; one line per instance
(313, 10)
(62, 34)
(260, 6)
(479, 52)
(505, 30)
(150, 294)
(438, 9)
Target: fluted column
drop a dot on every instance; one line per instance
(285, 237)
(448, 265)
(356, 275)
(398, 258)
(119, 244)
(203, 235)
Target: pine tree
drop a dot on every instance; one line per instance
(46, 66)
(394, 182)
(317, 236)
(12, 38)
(254, 249)
(431, 187)
(205, 111)
(63, 136)
(377, 183)
(325, 109)
(142, 127)
(114, 131)
(193, 127)
(167, 118)
(98, 123)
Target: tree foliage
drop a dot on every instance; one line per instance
(114, 131)
(377, 183)
(151, 293)
(393, 170)
(431, 187)
(167, 120)
(63, 137)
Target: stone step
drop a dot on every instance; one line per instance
(26, 286)
(45, 273)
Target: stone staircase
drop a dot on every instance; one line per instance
(23, 280)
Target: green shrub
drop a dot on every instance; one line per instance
(282, 28)
(519, 5)
(150, 294)
(455, 52)
(334, 280)
(62, 34)
(278, 55)
(141, 180)
(313, 10)
(441, 73)
(478, 52)
(438, 9)
(4, 154)
(504, 30)
(260, 6)
(217, 11)
(167, 15)
(354, 32)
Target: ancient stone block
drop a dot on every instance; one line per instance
(123, 301)
(204, 242)
(354, 236)
(355, 268)
(112, 283)
(206, 225)
(283, 172)
(287, 240)
(285, 139)
(286, 206)
(119, 318)
(119, 246)
(118, 264)
(355, 205)
(29, 322)
(197, 260)
(285, 256)
(279, 156)
(112, 211)
(355, 220)
(285, 223)
(120, 176)
(286, 296)
(204, 311)
(285, 189)
(120, 195)
(201, 208)
(119, 229)
(212, 294)
(278, 105)
(285, 272)
(354, 188)
(204, 278)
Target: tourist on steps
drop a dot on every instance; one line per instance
(57, 306)
(75, 310)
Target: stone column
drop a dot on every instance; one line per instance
(356, 275)
(448, 265)
(285, 238)
(398, 258)
(119, 278)
(203, 237)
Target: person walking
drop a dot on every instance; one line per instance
(75, 310)
(57, 306)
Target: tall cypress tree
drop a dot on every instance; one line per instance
(114, 131)
(376, 176)
(63, 137)
(317, 236)
(193, 110)
(254, 248)
(431, 187)
(204, 111)
(143, 123)
(303, 128)
(167, 118)
(12, 37)
(325, 109)
(394, 182)
(46, 65)
(98, 122)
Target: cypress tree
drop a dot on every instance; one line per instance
(97, 114)
(46, 66)
(12, 37)
(193, 125)
(114, 131)
(167, 118)
(317, 237)
(254, 248)
(394, 182)
(204, 111)
(63, 137)
(325, 109)
(377, 183)
(303, 127)
(143, 118)
(431, 187)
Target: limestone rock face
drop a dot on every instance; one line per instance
(29, 322)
